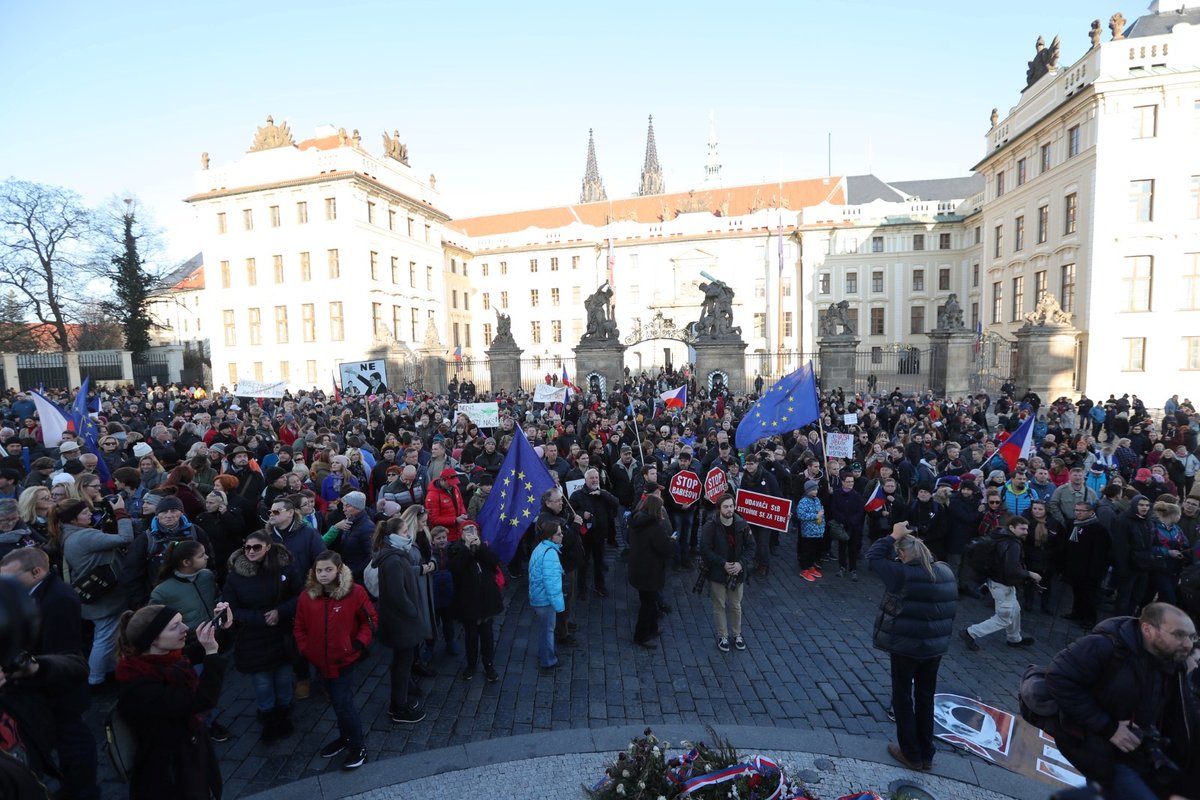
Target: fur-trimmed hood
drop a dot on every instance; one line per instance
(341, 589)
(239, 564)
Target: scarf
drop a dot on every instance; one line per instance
(170, 668)
(402, 543)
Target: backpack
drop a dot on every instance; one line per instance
(1038, 706)
(121, 744)
(1189, 590)
(980, 554)
(371, 579)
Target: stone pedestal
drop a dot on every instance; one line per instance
(723, 357)
(504, 363)
(604, 359)
(1046, 360)
(839, 362)
(950, 368)
(74, 376)
(433, 363)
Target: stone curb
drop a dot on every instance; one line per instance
(768, 741)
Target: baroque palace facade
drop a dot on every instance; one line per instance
(1088, 192)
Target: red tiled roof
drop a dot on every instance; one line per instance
(725, 201)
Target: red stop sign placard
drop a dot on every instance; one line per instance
(715, 484)
(685, 488)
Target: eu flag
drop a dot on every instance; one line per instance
(791, 403)
(85, 427)
(516, 498)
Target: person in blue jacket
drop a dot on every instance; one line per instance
(545, 588)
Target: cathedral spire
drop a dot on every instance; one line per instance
(593, 187)
(712, 164)
(652, 177)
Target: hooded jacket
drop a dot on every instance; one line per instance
(400, 599)
(334, 625)
(1131, 535)
(251, 591)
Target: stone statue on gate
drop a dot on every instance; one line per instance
(503, 337)
(1048, 314)
(950, 316)
(716, 313)
(601, 326)
(835, 317)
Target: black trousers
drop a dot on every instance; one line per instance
(808, 551)
(593, 558)
(401, 673)
(480, 637)
(913, 685)
(647, 618)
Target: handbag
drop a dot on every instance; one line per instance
(1149, 561)
(838, 531)
(96, 584)
(121, 744)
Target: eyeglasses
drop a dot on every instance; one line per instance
(1183, 636)
(252, 548)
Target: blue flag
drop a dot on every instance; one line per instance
(790, 404)
(89, 434)
(516, 498)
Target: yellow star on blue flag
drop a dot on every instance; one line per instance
(791, 403)
(507, 513)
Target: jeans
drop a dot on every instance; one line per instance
(103, 645)
(647, 619)
(681, 523)
(341, 697)
(480, 635)
(913, 685)
(1127, 784)
(544, 630)
(273, 688)
(400, 673)
(622, 529)
(723, 599)
(1007, 617)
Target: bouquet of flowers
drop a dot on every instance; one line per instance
(645, 771)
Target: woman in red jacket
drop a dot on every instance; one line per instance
(445, 504)
(334, 625)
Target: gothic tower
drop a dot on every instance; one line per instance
(652, 177)
(712, 164)
(593, 187)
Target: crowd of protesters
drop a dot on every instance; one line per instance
(294, 531)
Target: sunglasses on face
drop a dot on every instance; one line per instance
(253, 548)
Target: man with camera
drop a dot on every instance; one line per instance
(1126, 707)
(727, 552)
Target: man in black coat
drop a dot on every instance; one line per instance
(60, 634)
(599, 510)
(757, 479)
(1085, 562)
(727, 553)
(1112, 685)
(555, 506)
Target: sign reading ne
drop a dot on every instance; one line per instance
(716, 483)
(764, 510)
(685, 488)
(485, 415)
(363, 377)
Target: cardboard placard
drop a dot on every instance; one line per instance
(839, 445)
(763, 509)
(485, 415)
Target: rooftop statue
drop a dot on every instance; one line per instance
(270, 136)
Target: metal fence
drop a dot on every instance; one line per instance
(150, 368)
(884, 369)
(47, 370)
(995, 361)
(101, 365)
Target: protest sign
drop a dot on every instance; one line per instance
(763, 509)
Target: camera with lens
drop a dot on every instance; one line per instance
(732, 582)
(20, 624)
(1162, 766)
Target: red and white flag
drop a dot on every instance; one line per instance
(1019, 445)
(675, 398)
(876, 501)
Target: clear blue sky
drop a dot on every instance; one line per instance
(496, 99)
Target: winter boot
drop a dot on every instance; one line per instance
(284, 720)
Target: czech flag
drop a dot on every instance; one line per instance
(567, 382)
(675, 398)
(458, 353)
(1019, 445)
(876, 500)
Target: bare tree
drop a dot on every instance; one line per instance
(46, 236)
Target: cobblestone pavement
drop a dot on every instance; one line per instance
(810, 666)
